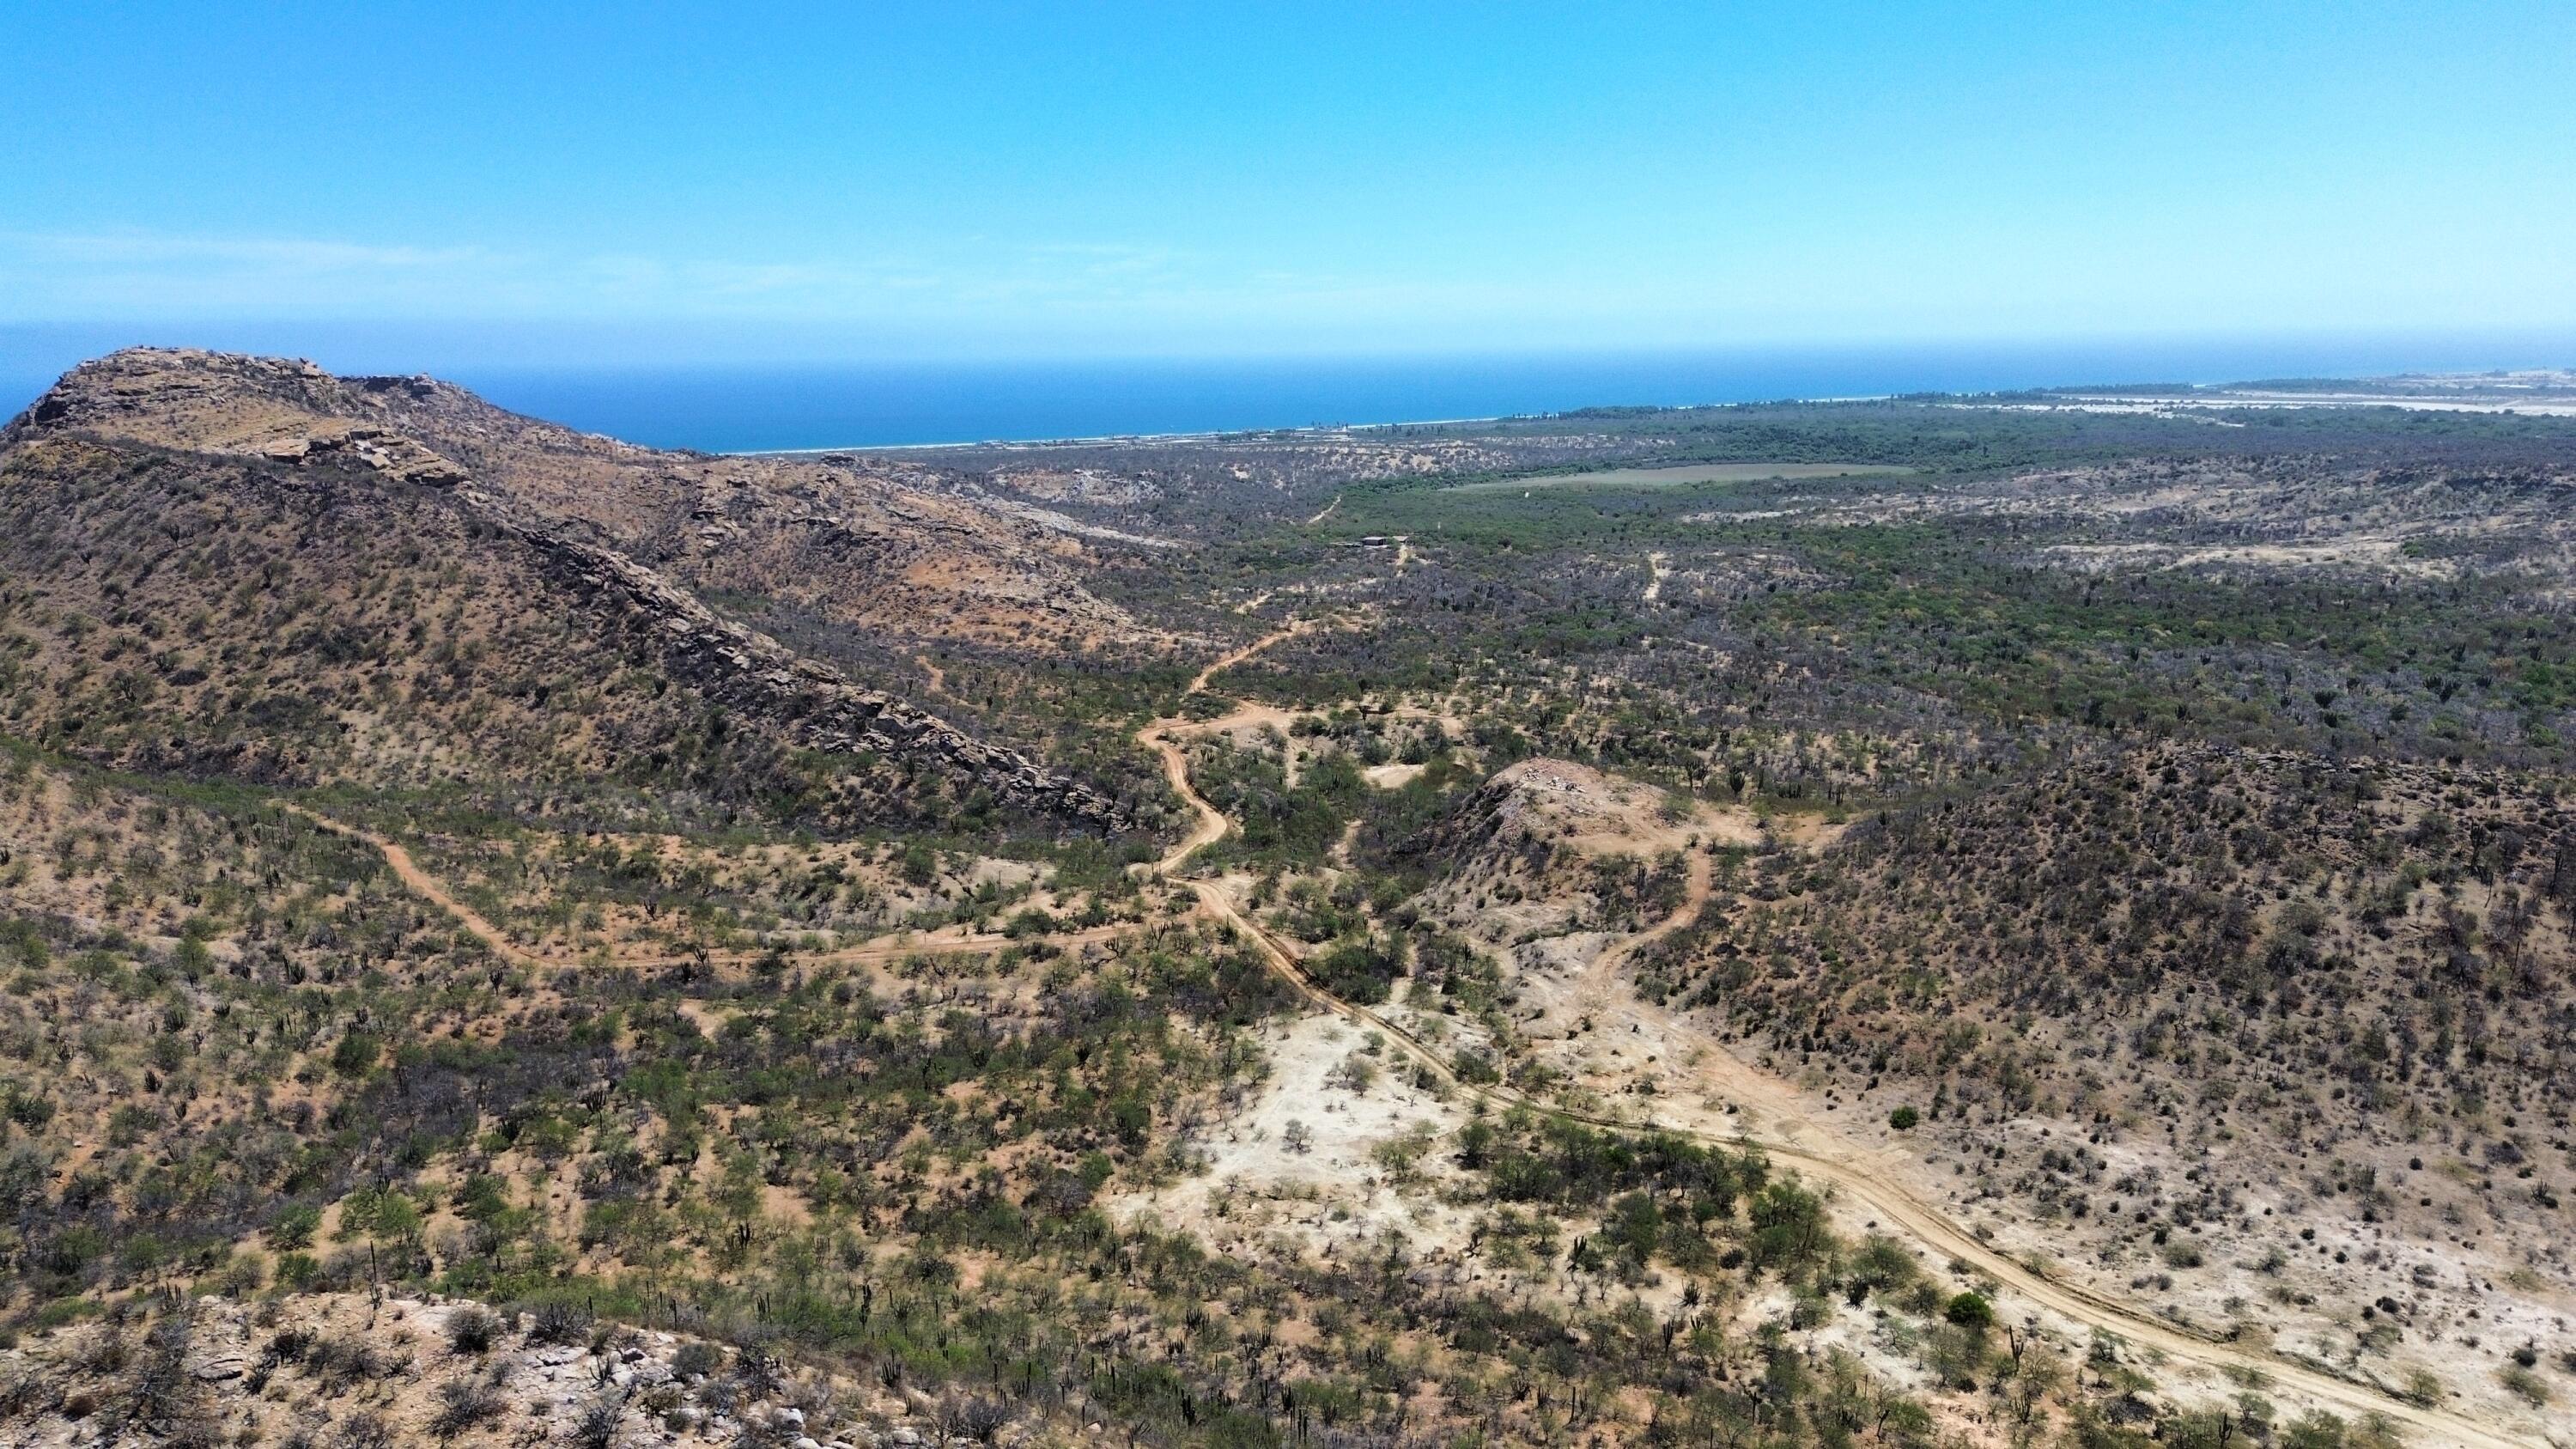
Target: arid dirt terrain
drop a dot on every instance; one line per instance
(2021, 920)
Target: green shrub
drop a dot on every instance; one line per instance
(357, 1054)
(1360, 970)
(1970, 1311)
(294, 1227)
(296, 1271)
(2524, 1384)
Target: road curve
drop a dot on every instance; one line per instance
(1814, 1153)
(1847, 1170)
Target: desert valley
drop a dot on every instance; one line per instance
(2032, 918)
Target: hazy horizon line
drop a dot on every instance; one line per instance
(372, 346)
(746, 405)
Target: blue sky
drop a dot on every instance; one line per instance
(960, 180)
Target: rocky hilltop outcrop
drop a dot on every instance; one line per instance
(363, 570)
(1531, 808)
(887, 547)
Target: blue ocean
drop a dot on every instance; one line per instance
(748, 408)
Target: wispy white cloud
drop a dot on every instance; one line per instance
(995, 288)
(77, 275)
(54, 276)
(282, 254)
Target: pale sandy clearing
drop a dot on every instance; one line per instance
(1334, 1190)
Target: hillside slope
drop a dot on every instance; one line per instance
(239, 566)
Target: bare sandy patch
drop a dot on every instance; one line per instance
(1600, 813)
(1300, 1160)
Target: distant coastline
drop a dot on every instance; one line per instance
(929, 406)
(921, 406)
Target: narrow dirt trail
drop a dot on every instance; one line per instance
(1603, 968)
(1781, 1113)
(421, 883)
(1226, 661)
(938, 676)
(1327, 511)
(1658, 568)
(1860, 1175)
(1208, 824)
(1210, 827)
(878, 950)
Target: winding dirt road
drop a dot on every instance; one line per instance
(1860, 1175)
(1786, 1131)
(1603, 969)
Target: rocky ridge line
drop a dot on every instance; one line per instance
(817, 707)
(744, 669)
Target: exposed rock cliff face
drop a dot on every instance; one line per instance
(145, 485)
